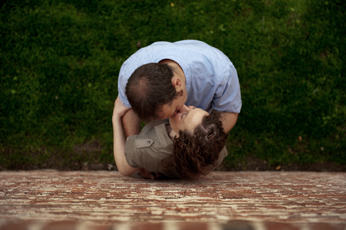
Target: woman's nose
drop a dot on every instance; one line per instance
(184, 109)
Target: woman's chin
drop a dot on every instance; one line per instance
(173, 134)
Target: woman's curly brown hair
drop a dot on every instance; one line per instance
(197, 153)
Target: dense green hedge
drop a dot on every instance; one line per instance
(59, 62)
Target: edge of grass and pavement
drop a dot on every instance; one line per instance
(59, 62)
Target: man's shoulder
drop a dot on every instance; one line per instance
(145, 55)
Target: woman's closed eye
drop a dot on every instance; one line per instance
(186, 113)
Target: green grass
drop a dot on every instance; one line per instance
(59, 62)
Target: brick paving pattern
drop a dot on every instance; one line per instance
(49, 199)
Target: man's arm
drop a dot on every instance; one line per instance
(119, 140)
(131, 123)
(228, 120)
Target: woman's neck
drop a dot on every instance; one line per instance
(171, 133)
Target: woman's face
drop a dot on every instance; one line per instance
(187, 118)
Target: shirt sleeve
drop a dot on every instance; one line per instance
(131, 151)
(139, 153)
(227, 97)
(122, 81)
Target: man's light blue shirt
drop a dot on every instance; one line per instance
(211, 78)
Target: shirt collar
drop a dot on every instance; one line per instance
(163, 136)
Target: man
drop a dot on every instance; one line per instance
(159, 79)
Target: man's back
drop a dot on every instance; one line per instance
(211, 79)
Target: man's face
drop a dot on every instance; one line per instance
(171, 109)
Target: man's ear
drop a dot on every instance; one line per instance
(176, 82)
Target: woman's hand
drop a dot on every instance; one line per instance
(146, 174)
(119, 109)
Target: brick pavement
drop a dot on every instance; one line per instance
(48, 199)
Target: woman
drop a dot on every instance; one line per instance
(191, 144)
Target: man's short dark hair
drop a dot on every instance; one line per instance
(149, 88)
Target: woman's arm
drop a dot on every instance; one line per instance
(119, 140)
